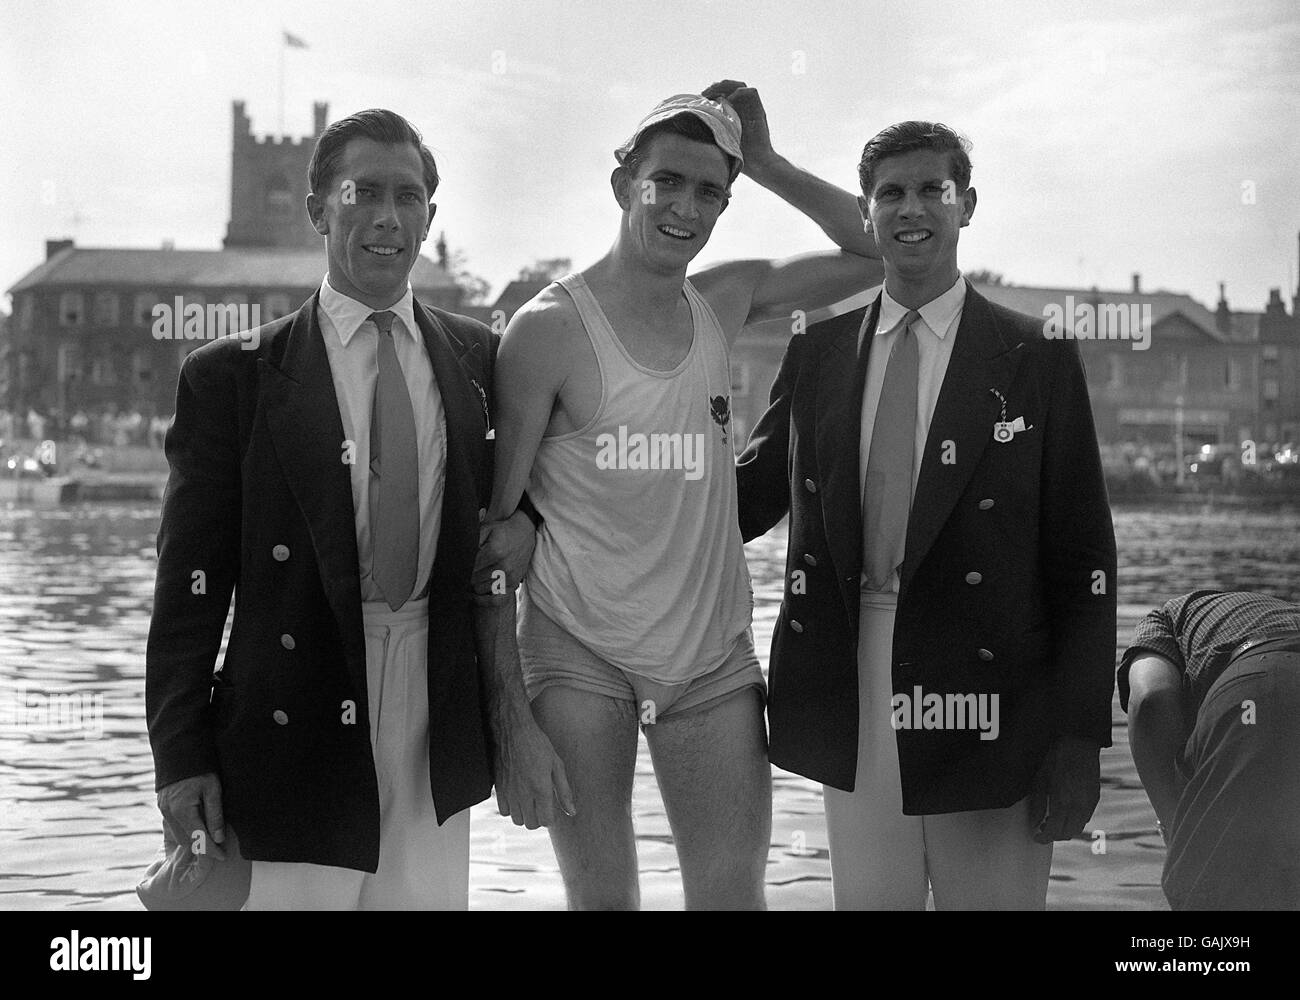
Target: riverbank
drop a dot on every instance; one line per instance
(84, 487)
(94, 485)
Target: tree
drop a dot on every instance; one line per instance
(546, 270)
(474, 287)
(985, 277)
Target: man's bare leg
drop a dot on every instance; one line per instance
(595, 737)
(713, 772)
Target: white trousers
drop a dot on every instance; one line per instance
(882, 860)
(422, 866)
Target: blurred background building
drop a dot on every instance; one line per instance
(78, 358)
(80, 335)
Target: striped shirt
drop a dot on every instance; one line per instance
(1197, 632)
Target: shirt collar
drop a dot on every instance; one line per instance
(347, 314)
(937, 314)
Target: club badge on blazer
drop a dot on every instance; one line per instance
(1005, 430)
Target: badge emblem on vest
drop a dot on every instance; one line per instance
(720, 408)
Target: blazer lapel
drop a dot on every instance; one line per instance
(302, 414)
(840, 379)
(964, 415)
(456, 371)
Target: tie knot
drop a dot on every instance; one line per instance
(383, 320)
(911, 317)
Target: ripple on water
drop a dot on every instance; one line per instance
(79, 822)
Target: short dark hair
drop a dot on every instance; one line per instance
(686, 125)
(908, 137)
(378, 124)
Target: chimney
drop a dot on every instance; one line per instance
(1275, 326)
(169, 244)
(442, 250)
(320, 114)
(1137, 283)
(54, 246)
(1222, 314)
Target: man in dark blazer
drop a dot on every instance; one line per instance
(942, 660)
(331, 470)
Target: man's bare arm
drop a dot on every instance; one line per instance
(528, 774)
(531, 368)
(1156, 729)
(749, 291)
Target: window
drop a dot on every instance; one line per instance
(279, 196)
(1177, 373)
(1270, 352)
(274, 306)
(1270, 389)
(1232, 373)
(739, 379)
(142, 366)
(26, 311)
(142, 312)
(67, 362)
(102, 371)
(71, 308)
(106, 309)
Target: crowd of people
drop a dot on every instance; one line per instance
(103, 426)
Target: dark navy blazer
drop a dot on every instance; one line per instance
(1008, 579)
(260, 501)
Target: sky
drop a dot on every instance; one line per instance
(1109, 138)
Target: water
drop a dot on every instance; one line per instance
(78, 823)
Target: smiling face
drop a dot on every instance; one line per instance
(673, 200)
(374, 215)
(917, 212)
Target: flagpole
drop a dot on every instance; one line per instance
(282, 48)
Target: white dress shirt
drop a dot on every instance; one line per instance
(936, 332)
(352, 343)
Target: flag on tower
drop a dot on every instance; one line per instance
(293, 41)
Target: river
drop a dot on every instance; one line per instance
(78, 823)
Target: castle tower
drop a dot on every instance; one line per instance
(268, 186)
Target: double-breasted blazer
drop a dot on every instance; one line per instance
(259, 503)
(1007, 585)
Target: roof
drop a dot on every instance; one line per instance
(1031, 301)
(243, 267)
(1245, 327)
(516, 294)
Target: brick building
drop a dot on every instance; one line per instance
(82, 331)
(1237, 374)
(1233, 375)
